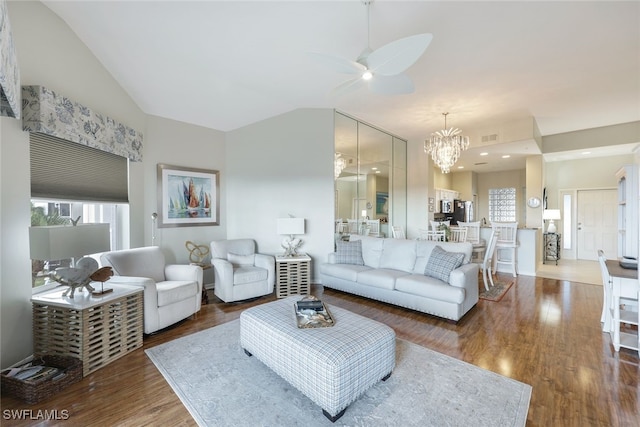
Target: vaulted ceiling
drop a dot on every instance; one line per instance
(225, 64)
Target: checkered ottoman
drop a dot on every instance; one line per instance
(332, 366)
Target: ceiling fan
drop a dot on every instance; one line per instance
(382, 70)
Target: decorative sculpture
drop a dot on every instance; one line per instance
(197, 253)
(81, 276)
(291, 246)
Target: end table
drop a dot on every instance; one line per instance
(293, 275)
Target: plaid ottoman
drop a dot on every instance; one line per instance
(332, 366)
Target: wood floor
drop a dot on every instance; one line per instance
(544, 332)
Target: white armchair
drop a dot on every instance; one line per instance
(240, 272)
(171, 292)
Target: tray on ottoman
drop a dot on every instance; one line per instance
(331, 366)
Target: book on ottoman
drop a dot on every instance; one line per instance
(312, 313)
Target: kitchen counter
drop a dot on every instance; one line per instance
(527, 251)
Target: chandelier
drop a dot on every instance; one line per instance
(338, 165)
(445, 146)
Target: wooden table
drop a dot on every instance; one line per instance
(624, 284)
(93, 329)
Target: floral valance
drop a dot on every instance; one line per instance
(47, 112)
(9, 72)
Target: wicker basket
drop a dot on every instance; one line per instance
(34, 393)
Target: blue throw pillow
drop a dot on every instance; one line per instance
(349, 252)
(441, 263)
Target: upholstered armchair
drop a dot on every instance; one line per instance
(240, 272)
(171, 292)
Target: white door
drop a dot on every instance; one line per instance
(597, 223)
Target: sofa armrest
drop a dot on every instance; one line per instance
(184, 272)
(465, 276)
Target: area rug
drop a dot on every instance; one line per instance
(496, 292)
(221, 386)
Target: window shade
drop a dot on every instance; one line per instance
(66, 170)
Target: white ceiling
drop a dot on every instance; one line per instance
(226, 64)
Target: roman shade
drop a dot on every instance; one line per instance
(65, 170)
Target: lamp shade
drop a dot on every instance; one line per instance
(552, 214)
(61, 242)
(291, 226)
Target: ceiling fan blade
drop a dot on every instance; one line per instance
(338, 64)
(395, 57)
(349, 86)
(391, 85)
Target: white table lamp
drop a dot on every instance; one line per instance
(551, 215)
(291, 227)
(60, 242)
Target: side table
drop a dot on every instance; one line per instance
(293, 275)
(94, 329)
(551, 247)
(205, 297)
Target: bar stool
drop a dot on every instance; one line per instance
(479, 245)
(507, 245)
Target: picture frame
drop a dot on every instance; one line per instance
(188, 197)
(431, 200)
(430, 208)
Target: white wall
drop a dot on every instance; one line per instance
(49, 54)
(582, 174)
(15, 266)
(280, 166)
(181, 144)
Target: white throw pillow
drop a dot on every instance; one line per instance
(238, 260)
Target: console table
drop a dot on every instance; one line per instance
(293, 275)
(95, 329)
(551, 247)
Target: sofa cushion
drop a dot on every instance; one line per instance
(441, 263)
(399, 254)
(171, 291)
(248, 274)
(349, 253)
(371, 249)
(343, 271)
(380, 277)
(429, 287)
(238, 259)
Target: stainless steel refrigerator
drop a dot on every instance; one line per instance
(462, 211)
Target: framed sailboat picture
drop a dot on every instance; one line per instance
(188, 197)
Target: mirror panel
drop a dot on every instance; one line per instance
(372, 178)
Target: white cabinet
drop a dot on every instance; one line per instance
(444, 194)
(628, 211)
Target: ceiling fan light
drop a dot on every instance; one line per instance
(367, 75)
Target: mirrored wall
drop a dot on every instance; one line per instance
(370, 178)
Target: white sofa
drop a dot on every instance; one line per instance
(393, 271)
(171, 292)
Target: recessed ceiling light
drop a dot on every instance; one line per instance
(586, 152)
(506, 156)
(460, 167)
(374, 169)
(377, 171)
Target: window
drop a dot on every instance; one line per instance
(74, 182)
(502, 204)
(52, 212)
